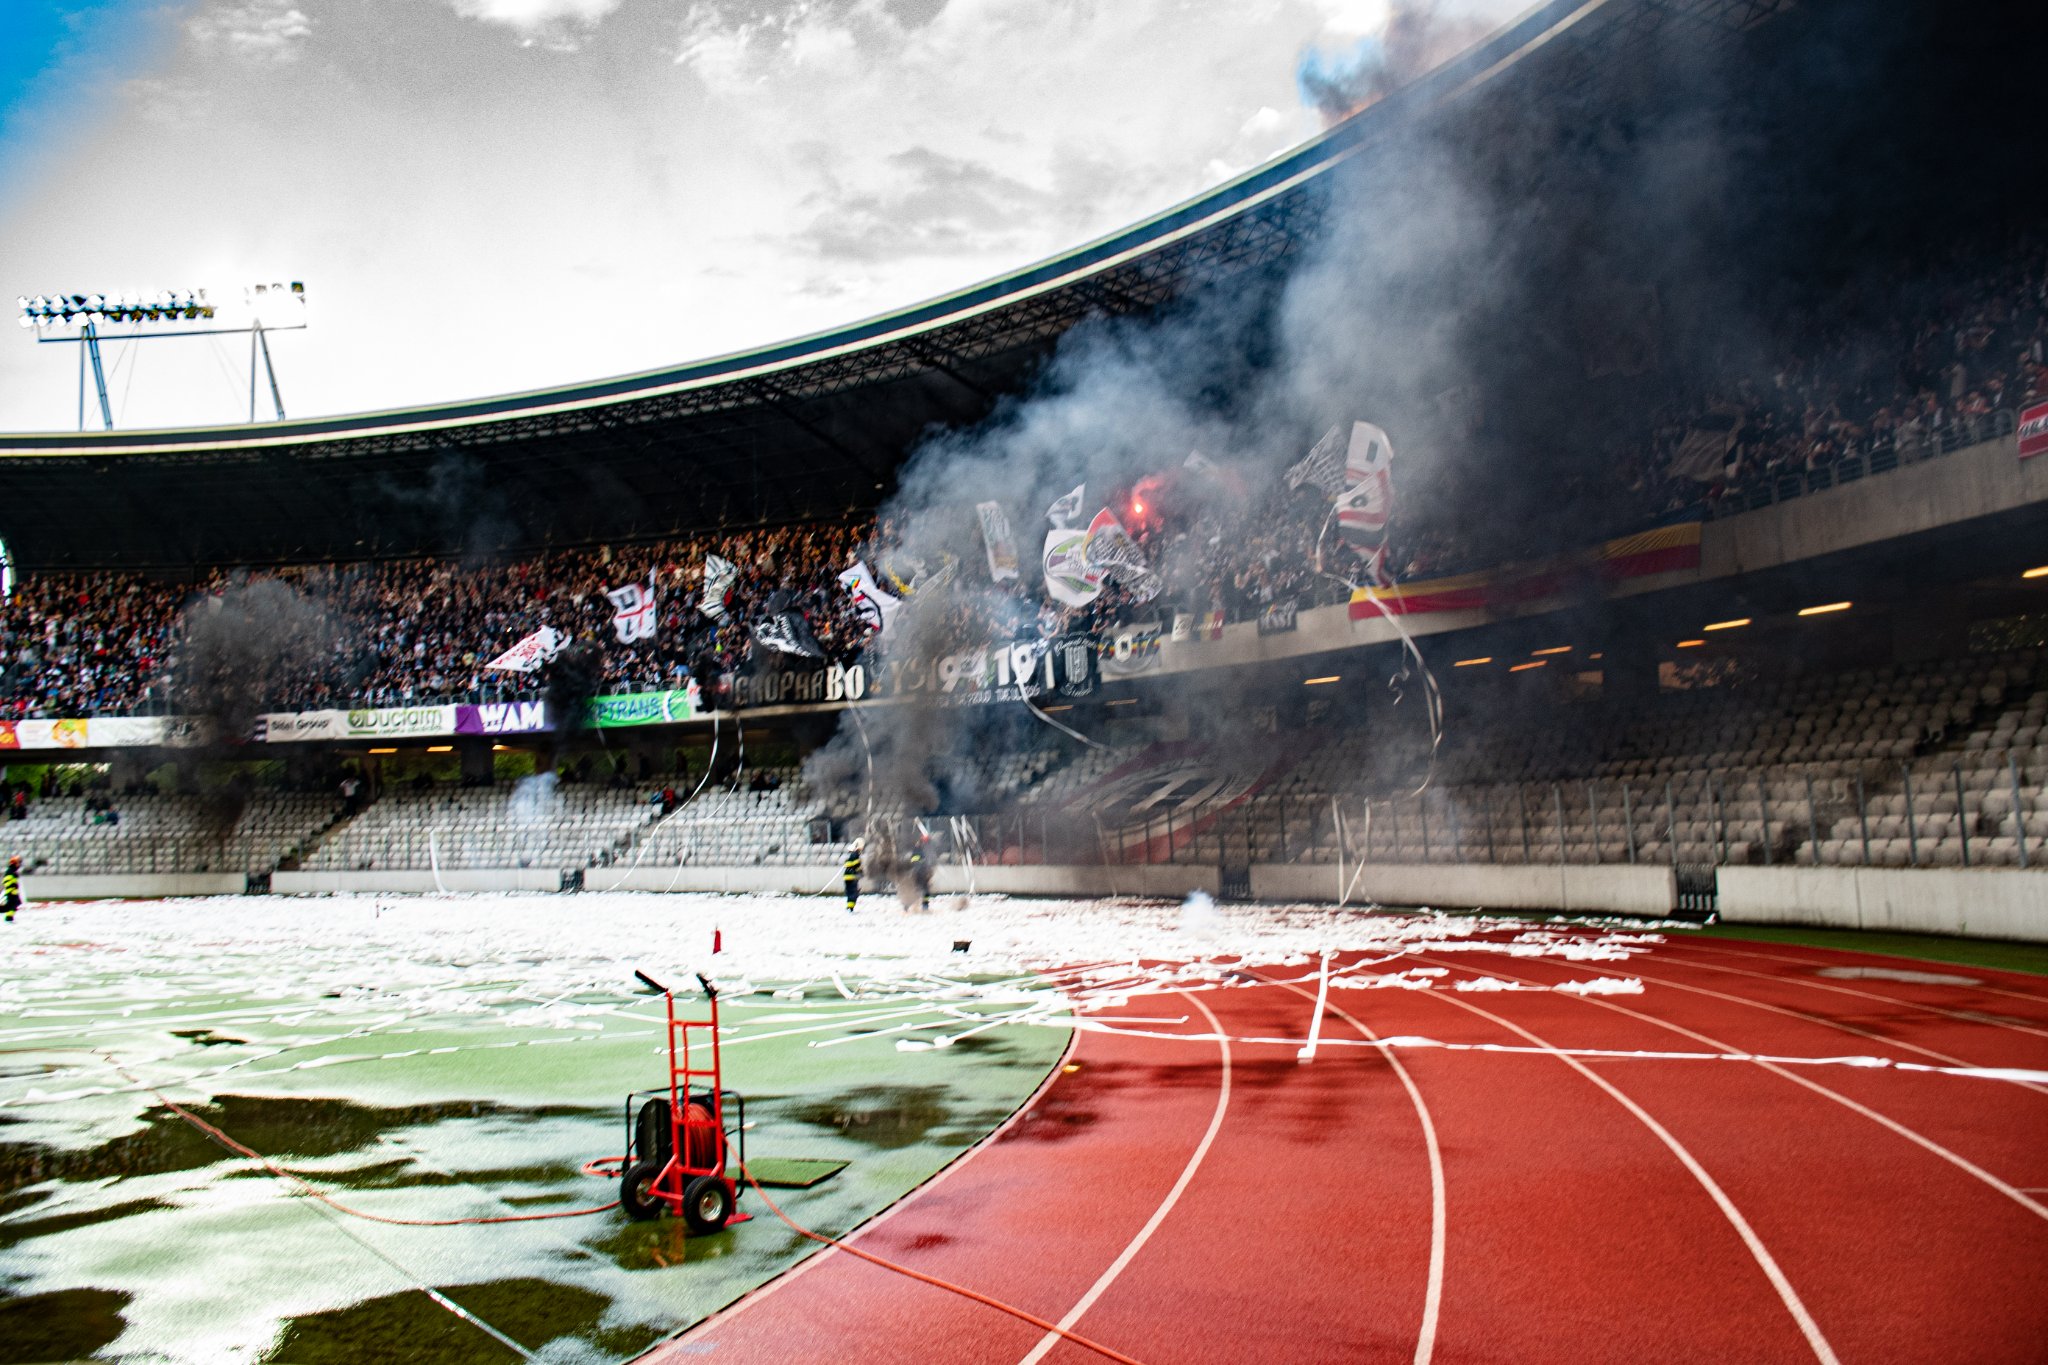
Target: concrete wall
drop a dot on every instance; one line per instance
(1980, 481)
(403, 881)
(799, 881)
(1617, 890)
(1172, 883)
(1981, 903)
(131, 886)
(1162, 882)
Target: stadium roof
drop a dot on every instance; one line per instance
(800, 430)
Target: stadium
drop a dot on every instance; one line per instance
(1438, 753)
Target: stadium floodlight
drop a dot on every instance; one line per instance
(89, 319)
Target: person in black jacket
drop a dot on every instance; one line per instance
(853, 852)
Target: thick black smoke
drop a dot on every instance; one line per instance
(243, 646)
(1502, 287)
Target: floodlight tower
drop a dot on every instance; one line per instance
(85, 320)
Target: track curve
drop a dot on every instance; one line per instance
(1613, 1184)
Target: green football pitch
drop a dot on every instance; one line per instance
(441, 1085)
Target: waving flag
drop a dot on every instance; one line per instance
(634, 617)
(531, 652)
(1068, 579)
(1111, 551)
(1066, 511)
(1323, 466)
(1368, 497)
(788, 634)
(875, 606)
(997, 539)
(719, 576)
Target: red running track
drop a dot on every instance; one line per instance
(1184, 1199)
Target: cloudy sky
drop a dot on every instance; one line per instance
(484, 196)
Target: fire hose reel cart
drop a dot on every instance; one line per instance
(678, 1140)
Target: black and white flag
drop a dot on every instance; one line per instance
(1323, 466)
(786, 633)
(1066, 511)
(719, 576)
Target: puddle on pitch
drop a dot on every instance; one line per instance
(70, 1324)
(292, 1128)
(891, 1117)
(409, 1327)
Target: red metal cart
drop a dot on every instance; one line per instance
(677, 1144)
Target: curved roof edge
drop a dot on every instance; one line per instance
(1255, 187)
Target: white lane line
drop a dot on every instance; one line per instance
(1433, 1291)
(1802, 1015)
(1765, 1261)
(1315, 1020)
(697, 1331)
(1720, 946)
(1144, 1234)
(1962, 1015)
(1961, 1163)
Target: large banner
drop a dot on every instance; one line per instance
(799, 686)
(641, 708)
(2033, 431)
(99, 732)
(502, 718)
(43, 734)
(1005, 671)
(385, 722)
(1129, 650)
(1664, 549)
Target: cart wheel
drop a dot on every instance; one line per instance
(636, 1191)
(707, 1203)
(651, 1133)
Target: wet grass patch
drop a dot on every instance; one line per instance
(888, 1117)
(282, 1127)
(660, 1244)
(22, 1231)
(68, 1324)
(410, 1327)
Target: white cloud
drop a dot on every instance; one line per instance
(258, 30)
(559, 23)
(743, 170)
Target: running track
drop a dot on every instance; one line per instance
(1197, 1200)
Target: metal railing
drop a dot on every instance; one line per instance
(1943, 440)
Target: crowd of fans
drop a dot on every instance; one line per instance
(1929, 365)
(1954, 348)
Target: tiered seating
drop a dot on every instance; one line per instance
(784, 827)
(167, 833)
(1931, 766)
(526, 825)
